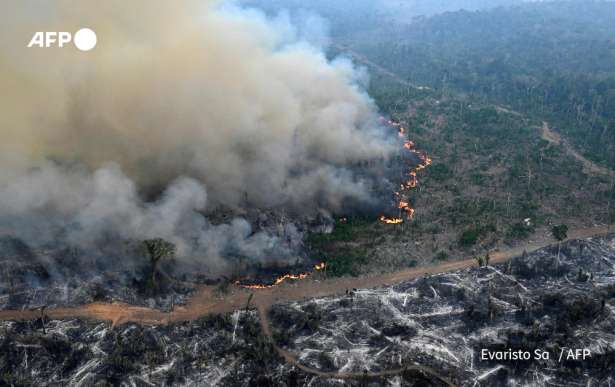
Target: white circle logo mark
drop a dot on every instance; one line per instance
(85, 39)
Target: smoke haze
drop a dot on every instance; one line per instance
(210, 104)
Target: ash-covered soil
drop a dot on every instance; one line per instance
(216, 350)
(443, 321)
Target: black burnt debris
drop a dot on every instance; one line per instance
(428, 332)
(534, 302)
(216, 350)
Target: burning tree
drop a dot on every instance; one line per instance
(157, 250)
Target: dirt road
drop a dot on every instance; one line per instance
(588, 165)
(207, 301)
(547, 132)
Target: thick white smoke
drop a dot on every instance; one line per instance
(208, 103)
(89, 208)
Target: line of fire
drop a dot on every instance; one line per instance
(406, 211)
(403, 204)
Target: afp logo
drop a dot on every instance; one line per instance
(84, 39)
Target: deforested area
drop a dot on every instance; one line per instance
(322, 193)
(542, 302)
(433, 330)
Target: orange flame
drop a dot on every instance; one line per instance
(386, 220)
(318, 267)
(425, 161)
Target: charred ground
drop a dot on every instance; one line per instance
(537, 300)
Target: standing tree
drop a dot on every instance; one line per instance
(480, 260)
(560, 232)
(157, 250)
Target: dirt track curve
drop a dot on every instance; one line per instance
(588, 165)
(291, 358)
(207, 301)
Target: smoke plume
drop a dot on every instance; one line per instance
(203, 104)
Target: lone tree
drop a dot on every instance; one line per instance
(157, 250)
(480, 260)
(560, 232)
